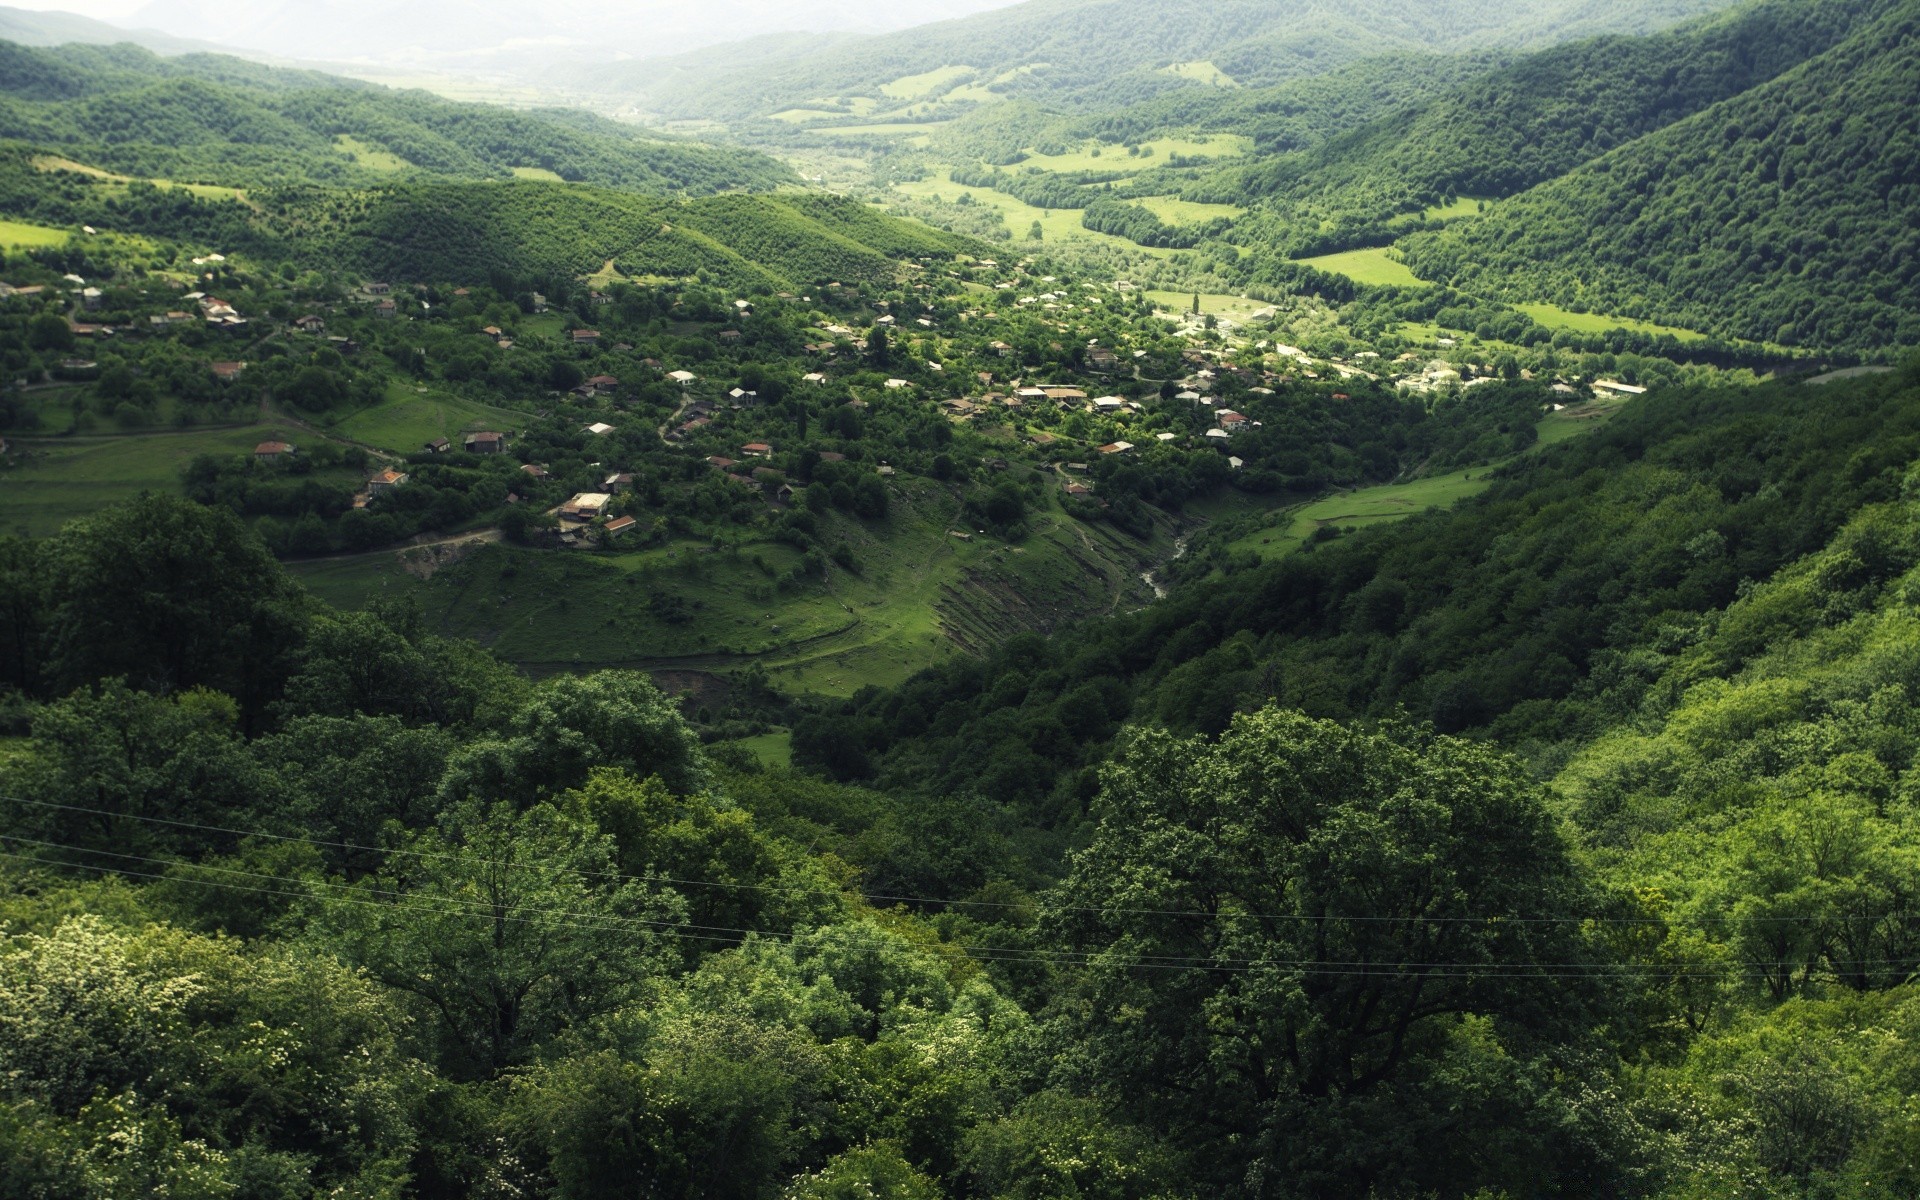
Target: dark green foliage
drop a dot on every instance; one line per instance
(1246, 855)
(170, 596)
(1786, 214)
(1487, 619)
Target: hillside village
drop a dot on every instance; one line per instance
(641, 413)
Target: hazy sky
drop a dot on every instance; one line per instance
(426, 31)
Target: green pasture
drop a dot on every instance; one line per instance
(891, 129)
(1375, 266)
(408, 419)
(1201, 72)
(1289, 530)
(368, 155)
(774, 749)
(1554, 317)
(927, 83)
(49, 481)
(1286, 530)
(539, 174)
(19, 235)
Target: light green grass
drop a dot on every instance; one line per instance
(913, 87)
(1211, 303)
(1465, 206)
(1555, 317)
(1575, 419)
(409, 420)
(1201, 72)
(772, 749)
(206, 191)
(902, 129)
(800, 116)
(372, 157)
(539, 174)
(1114, 157)
(1358, 509)
(19, 234)
(53, 480)
(1375, 266)
(1056, 224)
(1175, 211)
(1286, 531)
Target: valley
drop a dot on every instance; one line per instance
(1085, 600)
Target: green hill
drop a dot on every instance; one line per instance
(1788, 213)
(434, 231)
(215, 119)
(1547, 113)
(1102, 53)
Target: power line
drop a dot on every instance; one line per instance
(405, 901)
(1502, 919)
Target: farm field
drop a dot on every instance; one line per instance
(22, 236)
(1375, 266)
(409, 419)
(539, 174)
(1555, 317)
(49, 481)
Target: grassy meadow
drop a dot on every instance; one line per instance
(1375, 266)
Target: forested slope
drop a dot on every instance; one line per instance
(1788, 213)
(1510, 615)
(1520, 125)
(1101, 53)
(455, 231)
(223, 120)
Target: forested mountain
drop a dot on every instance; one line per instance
(1787, 213)
(1508, 129)
(215, 119)
(1106, 52)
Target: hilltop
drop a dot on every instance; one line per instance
(1100, 53)
(215, 119)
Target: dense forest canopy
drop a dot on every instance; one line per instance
(541, 659)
